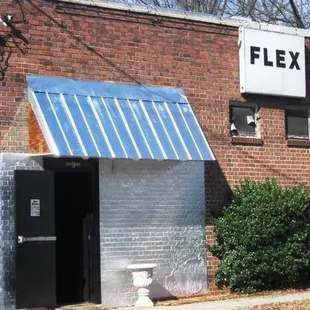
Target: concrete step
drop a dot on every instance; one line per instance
(82, 306)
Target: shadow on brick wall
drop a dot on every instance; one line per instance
(217, 190)
(218, 193)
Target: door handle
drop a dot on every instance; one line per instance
(22, 239)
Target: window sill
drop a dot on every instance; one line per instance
(247, 141)
(298, 143)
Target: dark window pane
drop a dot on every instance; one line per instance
(241, 118)
(297, 124)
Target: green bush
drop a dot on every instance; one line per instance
(263, 237)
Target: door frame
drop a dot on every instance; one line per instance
(71, 164)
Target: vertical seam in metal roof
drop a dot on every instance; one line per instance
(177, 130)
(100, 126)
(189, 131)
(58, 122)
(141, 131)
(87, 125)
(153, 129)
(62, 98)
(165, 130)
(201, 133)
(127, 127)
(114, 127)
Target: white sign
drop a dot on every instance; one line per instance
(34, 207)
(272, 63)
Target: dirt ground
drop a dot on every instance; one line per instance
(227, 295)
(296, 305)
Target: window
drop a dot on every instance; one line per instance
(297, 123)
(243, 119)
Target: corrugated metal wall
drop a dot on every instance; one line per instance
(152, 211)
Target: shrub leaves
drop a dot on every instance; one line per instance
(263, 237)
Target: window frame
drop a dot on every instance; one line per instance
(244, 104)
(298, 108)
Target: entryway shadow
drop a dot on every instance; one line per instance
(160, 292)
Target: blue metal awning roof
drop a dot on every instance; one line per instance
(111, 120)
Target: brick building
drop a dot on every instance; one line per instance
(151, 210)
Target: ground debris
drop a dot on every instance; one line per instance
(295, 305)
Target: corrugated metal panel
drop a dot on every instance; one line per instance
(109, 120)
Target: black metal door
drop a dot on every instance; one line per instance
(35, 239)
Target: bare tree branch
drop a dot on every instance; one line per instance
(295, 13)
(299, 22)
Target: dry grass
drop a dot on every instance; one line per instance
(296, 305)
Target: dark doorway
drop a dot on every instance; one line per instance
(73, 215)
(77, 229)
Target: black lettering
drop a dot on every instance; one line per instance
(267, 62)
(294, 62)
(254, 53)
(280, 58)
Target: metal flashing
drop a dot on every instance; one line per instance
(41, 154)
(57, 85)
(235, 21)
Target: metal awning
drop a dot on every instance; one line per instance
(113, 120)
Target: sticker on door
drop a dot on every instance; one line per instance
(34, 207)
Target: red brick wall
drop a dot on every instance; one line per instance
(94, 43)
